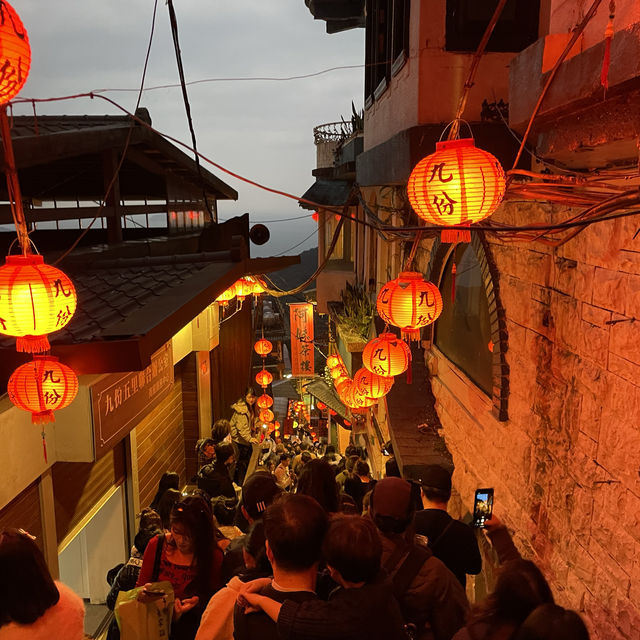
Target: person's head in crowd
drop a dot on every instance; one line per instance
(207, 449)
(305, 457)
(352, 550)
(220, 430)
(169, 480)
(350, 451)
(258, 492)
(285, 458)
(225, 454)
(392, 506)
(280, 449)
(27, 589)
(169, 498)
(351, 463)
(150, 526)
(294, 526)
(316, 479)
(250, 396)
(551, 622)
(361, 469)
(254, 552)
(520, 588)
(388, 447)
(330, 450)
(436, 486)
(193, 532)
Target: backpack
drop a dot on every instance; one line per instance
(401, 580)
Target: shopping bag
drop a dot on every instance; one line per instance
(150, 620)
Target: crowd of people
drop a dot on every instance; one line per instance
(307, 546)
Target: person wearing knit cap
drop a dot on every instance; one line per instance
(450, 540)
(430, 596)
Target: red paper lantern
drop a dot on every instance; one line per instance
(333, 361)
(387, 355)
(42, 386)
(15, 53)
(353, 399)
(339, 372)
(263, 347)
(371, 385)
(264, 378)
(409, 302)
(257, 286)
(332, 412)
(321, 405)
(264, 402)
(276, 433)
(35, 299)
(459, 184)
(266, 415)
(243, 288)
(315, 216)
(226, 296)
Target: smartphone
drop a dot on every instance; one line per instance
(482, 507)
(154, 592)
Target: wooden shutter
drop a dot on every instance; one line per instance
(23, 512)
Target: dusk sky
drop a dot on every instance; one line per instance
(260, 129)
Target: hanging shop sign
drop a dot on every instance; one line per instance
(301, 319)
(120, 401)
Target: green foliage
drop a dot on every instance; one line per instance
(357, 313)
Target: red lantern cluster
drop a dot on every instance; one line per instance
(409, 302)
(387, 355)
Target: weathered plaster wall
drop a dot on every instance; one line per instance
(566, 465)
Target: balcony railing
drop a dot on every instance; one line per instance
(332, 132)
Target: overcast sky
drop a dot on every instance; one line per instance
(260, 129)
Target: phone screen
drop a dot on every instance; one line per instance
(483, 507)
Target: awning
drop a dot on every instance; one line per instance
(320, 390)
(334, 193)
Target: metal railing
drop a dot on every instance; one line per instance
(332, 132)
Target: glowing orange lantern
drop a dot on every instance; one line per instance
(339, 372)
(264, 378)
(356, 400)
(243, 288)
(386, 355)
(459, 184)
(35, 299)
(332, 412)
(276, 424)
(371, 385)
(226, 296)
(313, 434)
(263, 347)
(276, 433)
(409, 302)
(315, 216)
(264, 402)
(42, 386)
(257, 286)
(15, 53)
(344, 386)
(266, 415)
(333, 361)
(321, 405)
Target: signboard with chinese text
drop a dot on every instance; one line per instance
(302, 352)
(120, 401)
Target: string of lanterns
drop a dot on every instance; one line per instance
(241, 288)
(35, 298)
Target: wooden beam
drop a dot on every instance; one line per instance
(112, 187)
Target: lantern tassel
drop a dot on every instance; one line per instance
(452, 235)
(32, 344)
(44, 447)
(410, 369)
(42, 417)
(608, 36)
(454, 270)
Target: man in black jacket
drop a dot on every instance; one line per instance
(450, 540)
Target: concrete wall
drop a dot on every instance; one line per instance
(566, 465)
(566, 14)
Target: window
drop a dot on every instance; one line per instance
(467, 20)
(343, 251)
(463, 330)
(386, 42)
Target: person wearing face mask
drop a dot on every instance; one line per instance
(243, 425)
(189, 558)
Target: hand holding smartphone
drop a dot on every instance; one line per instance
(482, 507)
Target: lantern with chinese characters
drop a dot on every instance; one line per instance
(42, 386)
(15, 53)
(387, 355)
(343, 386)
(257, 286)
(371, 385)
(35, 299)
(264, 378)
(243, 288)
(263, 347)
(264, 402)
(339, 372)
(353, 399)
(457, 185)
(409, 302)
(226, 296)
(266, 416)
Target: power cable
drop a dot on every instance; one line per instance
(187, 107)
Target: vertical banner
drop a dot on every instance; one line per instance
(301, 320)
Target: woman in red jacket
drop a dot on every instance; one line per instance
(189, 558)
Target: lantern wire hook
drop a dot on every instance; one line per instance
(455, 131)
(33, 244)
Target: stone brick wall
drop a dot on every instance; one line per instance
(566, 465)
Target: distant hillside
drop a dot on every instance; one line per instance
(295, 275)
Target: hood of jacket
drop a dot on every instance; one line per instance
(240, 407)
